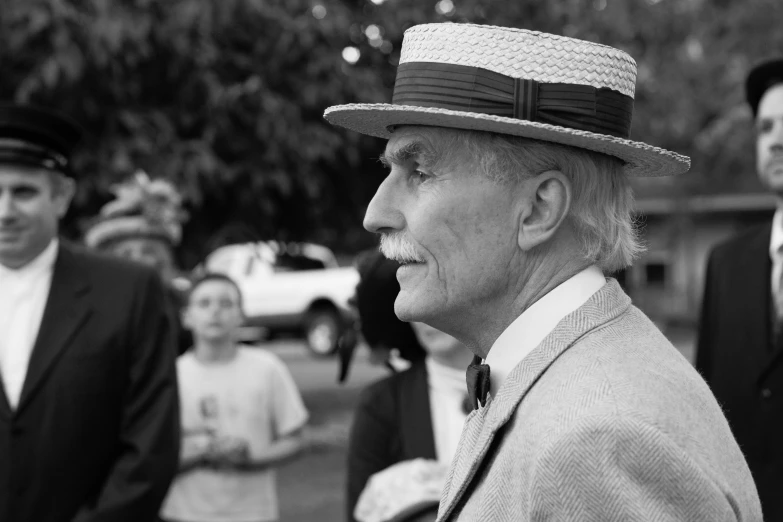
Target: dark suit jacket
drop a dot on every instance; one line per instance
(392, 423)
(183, 337)
(95, 436)
(736, 356)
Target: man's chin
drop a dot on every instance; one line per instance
(415, 305)
(773, 179)
(14, 253)
(407, 305)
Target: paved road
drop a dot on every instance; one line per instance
(312, 487)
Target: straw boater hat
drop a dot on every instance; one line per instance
(518, 82)
(143, 208)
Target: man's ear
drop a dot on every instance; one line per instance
(63, 191)
(547, 202)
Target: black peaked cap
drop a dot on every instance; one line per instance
(763, 76)
(52, 131)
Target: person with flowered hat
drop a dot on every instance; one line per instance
(507, 201)
(89, 403)
(144, 224)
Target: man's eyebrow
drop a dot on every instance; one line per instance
(409, 151)
(24, 185)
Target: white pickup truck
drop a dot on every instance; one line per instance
(292, 287)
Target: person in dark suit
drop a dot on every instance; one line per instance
(739, 339)
(393, 420)
(89, 424)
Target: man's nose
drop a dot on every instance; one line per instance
(7, 210)
(383, 214)
(777, 137)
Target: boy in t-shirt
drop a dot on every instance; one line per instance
(241, 416)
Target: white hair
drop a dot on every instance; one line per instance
(602, 206)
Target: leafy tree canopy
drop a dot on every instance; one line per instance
(225, 97)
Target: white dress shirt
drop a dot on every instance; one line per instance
(23, 295)
(776, 254)
(447, 393)
(529, 329)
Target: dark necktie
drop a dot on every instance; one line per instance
(477, 377)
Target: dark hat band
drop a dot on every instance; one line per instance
(26, 153)
(473, 89)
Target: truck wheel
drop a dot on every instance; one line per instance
(322, 331)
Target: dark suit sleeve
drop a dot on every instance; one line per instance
(148, 445)
(370, 444)
(705, 341)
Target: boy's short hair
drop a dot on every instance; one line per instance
(214, 276)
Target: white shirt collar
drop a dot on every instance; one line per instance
(41, 263)
(776, 238)
(529, 329)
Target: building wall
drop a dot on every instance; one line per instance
(667, 281)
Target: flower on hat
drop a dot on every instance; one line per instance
(142, 208)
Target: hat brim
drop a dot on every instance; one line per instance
(125, 227)
(379, 120)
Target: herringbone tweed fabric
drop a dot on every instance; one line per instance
(604, 421)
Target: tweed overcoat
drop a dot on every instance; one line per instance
(604, 421)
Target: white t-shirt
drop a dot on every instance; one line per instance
(253, 397)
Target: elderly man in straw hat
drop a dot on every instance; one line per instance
(507, 200)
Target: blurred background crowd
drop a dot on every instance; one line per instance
(216, 106)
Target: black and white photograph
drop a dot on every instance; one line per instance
(391, 261)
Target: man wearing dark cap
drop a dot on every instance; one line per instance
(88, 396)
(740, 342)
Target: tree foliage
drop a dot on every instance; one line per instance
(225, 97)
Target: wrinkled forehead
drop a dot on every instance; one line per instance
(418, 143)
(771, 103)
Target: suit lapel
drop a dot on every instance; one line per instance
(483, 425)
(66, 310)
(468, 457)
(415, 416)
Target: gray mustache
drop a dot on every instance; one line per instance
(398, 248)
